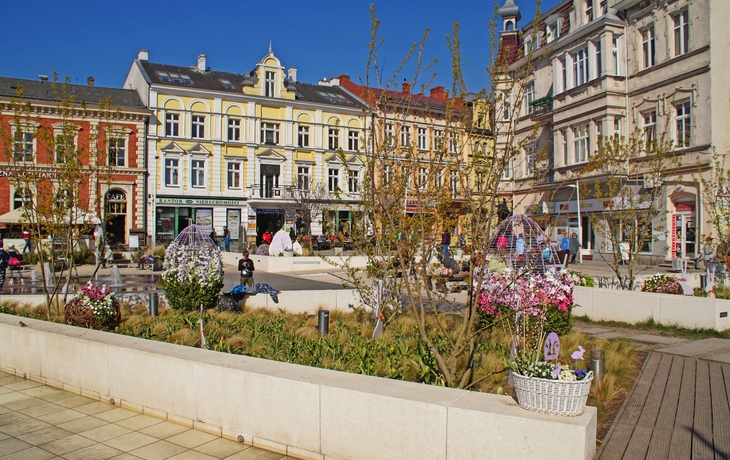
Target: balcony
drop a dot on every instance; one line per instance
(541, 107)
(269, 191)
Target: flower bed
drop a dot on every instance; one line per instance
(93, 307)
(663, 284)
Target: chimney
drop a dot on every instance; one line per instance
(143, 55)
(201, 63)
(406, 87)
(292, 74)
(438, 93)
(90, 81)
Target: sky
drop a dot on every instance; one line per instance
(321, 39)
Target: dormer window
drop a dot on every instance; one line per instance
(176, 78)
(164, 77)
(270, 81)
(186, 79)
(227, 84)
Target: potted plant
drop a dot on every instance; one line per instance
(306, 243)
(535, 308)
(93, 307)
(337, 246)
(288, 252)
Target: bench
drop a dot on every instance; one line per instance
(449, 284)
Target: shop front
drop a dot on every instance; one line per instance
(173, 215)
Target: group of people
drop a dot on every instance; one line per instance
(226, 238)
(10, 260)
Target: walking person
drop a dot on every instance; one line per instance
(213, 236)
(520, 247)
(227, 239)
(564, 249)
(14, 263)
(3, 265)
(574, 247)
(246, 268)
(26, 238)
(445, 242)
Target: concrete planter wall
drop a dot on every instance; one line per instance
(296, 410)
(294, 264)
(633, 307)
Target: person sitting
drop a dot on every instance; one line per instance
(451, 266)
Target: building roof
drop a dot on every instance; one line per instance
(48, 91)
(216, 80)
(435, 101)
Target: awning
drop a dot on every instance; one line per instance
(12, 217)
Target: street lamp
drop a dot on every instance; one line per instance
(580, 228)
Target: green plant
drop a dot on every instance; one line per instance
(662, 284)
(137, 255)
(84, 256)
(159, 251)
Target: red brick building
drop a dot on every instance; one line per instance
(105, 128)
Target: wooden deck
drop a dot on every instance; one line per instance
(678, 409)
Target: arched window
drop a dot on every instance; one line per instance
(21, 198)
(116, 202)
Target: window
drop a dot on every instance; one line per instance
(387, 170)
(422, 145)
(64, 148)
(599, 63)
(454, 182)
(176, 78)
(405, 136)
(333, 179)
(438, 139)
(684, 128)
(198, 126)
(234, 175)
(649, 129)
(353, 181)
(197, 173)
(117, 152)
(186, 79)
(23, 146)
(438, 180)
(172, 124)
(172, 172)
(389, 134)
(227, 84)
(649, 46)
(589, 10)
(21, 198)
(599, 132)
(303, 178)
(353, 140)
(303, 136)
(681, 33)
(530, 97)
(553, 32)
(614, 51)
(334, 138)
(422, 177)
(580, 67)
(270, 81)
(617, 128)
(234, 129)
(453, 143)
(164, 77)
(564, 136)
(581, 143)
(563, 83)
(530, 160)
(270, 133)
(603, 7)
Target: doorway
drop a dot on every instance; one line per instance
(269, 181)
(116, 222)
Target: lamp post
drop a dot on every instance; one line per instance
(580, 227)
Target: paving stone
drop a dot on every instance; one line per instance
(68, 444)
(698, 347)
(33, 453)
(720, 357)
(611, 335)
(158, 450)
(12, 445)
(256, 454)
(657, 339)
(221, 448)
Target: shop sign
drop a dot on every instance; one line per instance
(675, 244)
(198, 202)
(269, 211)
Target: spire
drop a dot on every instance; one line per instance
(509, 10)
(270, 50)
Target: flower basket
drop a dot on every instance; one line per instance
(555, 397)
(77, 313)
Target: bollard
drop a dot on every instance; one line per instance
(703, 281)
(598, 365)
(323, 322)
(154, 297)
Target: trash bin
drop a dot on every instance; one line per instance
(703, 281)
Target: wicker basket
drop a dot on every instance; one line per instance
(555, 397)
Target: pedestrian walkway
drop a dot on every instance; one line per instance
(678, 409)
(38, 422)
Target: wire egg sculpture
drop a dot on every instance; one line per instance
(521, 245)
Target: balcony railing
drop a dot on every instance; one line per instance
(541, 106)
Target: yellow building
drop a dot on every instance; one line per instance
(229, 150)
